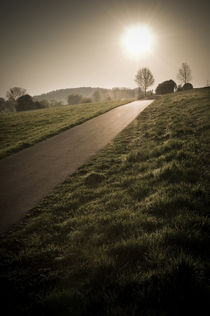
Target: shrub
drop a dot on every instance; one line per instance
(166, 87)
(24, 103)
(187, 86)
(74, 99)
(2, 105)
(86, 100)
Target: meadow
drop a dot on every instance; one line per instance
(23, 129)
(128, 233)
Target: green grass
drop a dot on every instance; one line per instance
(128, 233)
(23, 129)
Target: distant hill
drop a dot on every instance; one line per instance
(62, 94)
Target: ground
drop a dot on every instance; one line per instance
(128, 233)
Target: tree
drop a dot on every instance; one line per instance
(144, 79)
(184, 74)
(166, 87)
(14, 93)
(74, 99)
(25, 102)
(2, 105)
(96, 96)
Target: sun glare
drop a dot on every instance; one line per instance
(137, 40)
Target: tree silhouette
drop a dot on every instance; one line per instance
(184, 74)
(144, 79)
(14, 93)
(24, 103)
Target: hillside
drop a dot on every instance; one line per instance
(62, 94)
(128, 233)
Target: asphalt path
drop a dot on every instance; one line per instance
(29, 175)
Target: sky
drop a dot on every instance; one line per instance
(55, 44)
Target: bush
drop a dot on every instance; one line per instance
(86, 100)
(24, 103)
(2, 105)
(187, 86)
(179, 88)
(44, 103)
(7, 106)
(74, 99)
(166, 87)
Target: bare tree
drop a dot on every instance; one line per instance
(184, 74)
(14, 93)
(144, 79)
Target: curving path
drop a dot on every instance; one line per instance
(29, 175)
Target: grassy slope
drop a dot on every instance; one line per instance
(127, 234)
(22, 129)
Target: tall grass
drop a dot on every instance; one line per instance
(128, 233)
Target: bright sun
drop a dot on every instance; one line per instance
(137, 40)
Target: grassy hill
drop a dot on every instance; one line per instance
(128, 233)
(23, 129)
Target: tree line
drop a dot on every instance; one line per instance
(103, 95)
(19, 100)
(144, 79)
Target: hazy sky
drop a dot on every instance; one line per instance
(53, 44)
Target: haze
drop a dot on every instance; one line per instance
(49, 45)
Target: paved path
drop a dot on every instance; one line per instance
(29, 175)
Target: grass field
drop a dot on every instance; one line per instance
(128, 233)
(23, 129)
